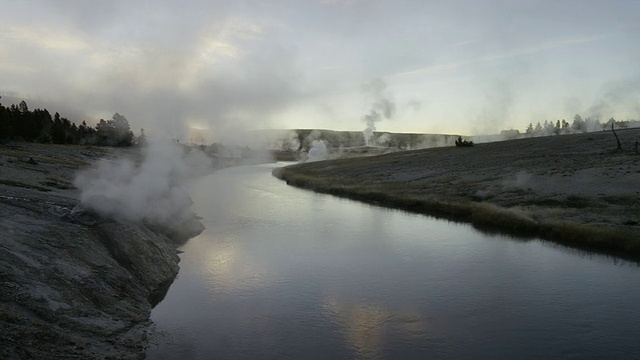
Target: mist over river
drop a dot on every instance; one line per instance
(282, 272)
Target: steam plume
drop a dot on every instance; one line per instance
(383, 107)
(318, 151)
(151, 191)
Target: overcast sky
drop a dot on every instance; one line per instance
(445, 66)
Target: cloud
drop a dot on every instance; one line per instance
(41, 37)
(463, 43)
(245, 64)
(223, 70)
(340, 2)
(545, 46)
(414, 104)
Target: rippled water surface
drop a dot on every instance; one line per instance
(286, 273)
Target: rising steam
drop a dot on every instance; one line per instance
(150, 191)
(382, 107)
(318, 151)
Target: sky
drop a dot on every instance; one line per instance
(464, 67)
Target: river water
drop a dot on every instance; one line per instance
(284, 273)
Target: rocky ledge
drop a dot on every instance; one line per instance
(73, 285)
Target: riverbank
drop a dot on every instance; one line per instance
(576, 190)
(73, 285)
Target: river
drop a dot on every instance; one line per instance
(284, 273)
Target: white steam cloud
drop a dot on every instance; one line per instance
(150, 191)
(318, 151)
(384, 139)
(383, 107)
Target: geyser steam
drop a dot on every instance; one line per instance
(150, 191)
(318, 151)
(370, 119)
(382, 107)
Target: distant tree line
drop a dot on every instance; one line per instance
(578, 125)
(463, 143)
(17, 122)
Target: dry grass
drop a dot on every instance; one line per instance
(46, 167)
(23, 185)
(57, 183)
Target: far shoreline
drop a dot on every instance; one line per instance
(573, 190)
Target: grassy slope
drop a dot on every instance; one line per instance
(572, 189)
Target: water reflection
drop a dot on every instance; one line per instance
(363, 325)
(366, 326)
(285, 273)
(228, 268)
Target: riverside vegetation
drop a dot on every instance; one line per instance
(575, 189)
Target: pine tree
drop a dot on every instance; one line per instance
(529, 130)
(22, 107)
(142, 139)
(4, 123)
(538, 128)
(122, 131)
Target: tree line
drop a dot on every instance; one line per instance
(578, 125)
(17, 122)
